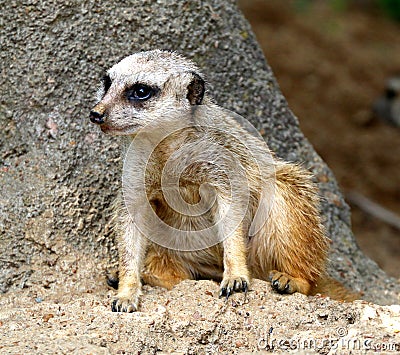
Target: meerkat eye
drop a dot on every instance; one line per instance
(140, 92)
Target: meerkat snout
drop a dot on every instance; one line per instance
(96, 117)
(98, 113)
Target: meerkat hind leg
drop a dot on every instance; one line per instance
(297, 246)
(162, 269)
(284, 283)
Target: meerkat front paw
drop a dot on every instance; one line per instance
(232, 284)
(126, 302)
(284, 283)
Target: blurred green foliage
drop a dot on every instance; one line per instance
(304, 5)
(390, 8)
(301, 5)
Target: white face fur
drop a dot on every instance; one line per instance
(146, 87)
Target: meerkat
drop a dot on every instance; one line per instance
(258, 215)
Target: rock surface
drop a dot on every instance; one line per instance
(59, 175)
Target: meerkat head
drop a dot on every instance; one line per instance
(146, 87)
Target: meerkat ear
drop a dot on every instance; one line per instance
(195, 89)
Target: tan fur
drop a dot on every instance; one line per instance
(288, 247)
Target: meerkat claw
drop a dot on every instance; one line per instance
(123, 305)
(280, 288)
(229, 292)
(226, 292)
(245, 287)
(283, 283)
(116, 306)
(229, 287)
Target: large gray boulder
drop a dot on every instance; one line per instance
(59, 174)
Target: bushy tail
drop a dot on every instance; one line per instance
(327, 286)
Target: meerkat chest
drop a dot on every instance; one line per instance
(183, 207)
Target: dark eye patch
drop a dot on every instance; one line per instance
(140, 92)
(106, 83)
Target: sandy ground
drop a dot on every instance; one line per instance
(331, 66)
(74, 316)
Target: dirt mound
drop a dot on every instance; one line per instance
(190, 319)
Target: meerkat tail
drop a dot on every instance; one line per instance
(328, 286)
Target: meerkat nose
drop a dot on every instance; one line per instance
(96, 117)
